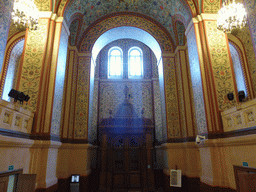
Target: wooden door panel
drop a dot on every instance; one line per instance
(134, 180)
(133, 161)
(247, 182)
(26, 182)
(119, 181)
(3, 183)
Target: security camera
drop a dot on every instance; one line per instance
(199, 138)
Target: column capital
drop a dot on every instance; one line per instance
(85, 54)
(64, 23)
(180, 47)
(200, 18)
(167, 54)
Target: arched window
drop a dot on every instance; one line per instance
(12, 69)
(135, 63)
(115, 63)
(238, 69)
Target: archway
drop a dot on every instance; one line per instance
(124, 108)
(86, 47)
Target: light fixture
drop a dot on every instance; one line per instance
(25, 14)
(232, 15)
(18, 96)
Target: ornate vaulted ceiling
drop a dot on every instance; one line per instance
(160, 10)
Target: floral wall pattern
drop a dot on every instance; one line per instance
(171, 98)
(112, 95)
(211, 6)
(32, 64)
(13, 30)
(5, 16)
(220, 62)
(82, 96)
(125, 20)
(59, 83)
(161, 10)
(197, 89)
(43, 5)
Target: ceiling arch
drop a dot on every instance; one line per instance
(90, 36)
(126, 32)
(161, 10)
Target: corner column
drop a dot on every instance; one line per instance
(211, 72)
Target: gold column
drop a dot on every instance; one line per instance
(82, 97)
(42, 101)
(44, 119)
(70, 85)
(184, 92)
(216, 74)
(171, 96)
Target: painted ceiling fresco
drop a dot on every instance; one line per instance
(161, 10)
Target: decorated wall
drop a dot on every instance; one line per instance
(59, 83)
(198, 97)
(171, 98)
(161, 10)
(143, 94)
(35, 46)
(111, 93)
(74, 32)
(220, 63)
(82, 98)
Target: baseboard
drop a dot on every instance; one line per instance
(53, 188)
(206, 187)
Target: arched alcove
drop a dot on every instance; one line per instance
(12, 62)
(112, 35)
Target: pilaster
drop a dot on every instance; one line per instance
(214, 69)
(171, 96)
(184, 92)
(82, 97)
(48, 120)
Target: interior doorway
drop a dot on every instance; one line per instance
(126, 155)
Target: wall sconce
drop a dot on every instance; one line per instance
(18, 96)
(241, 96)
